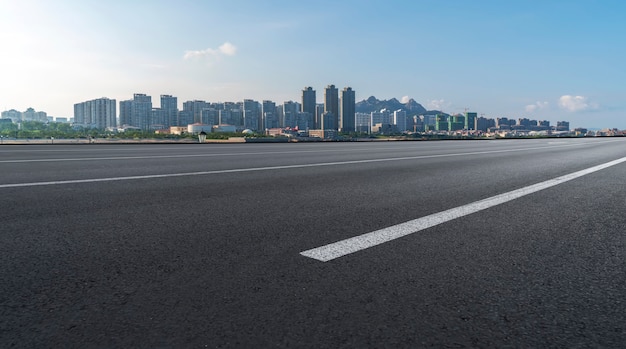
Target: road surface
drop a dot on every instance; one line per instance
(196, 245)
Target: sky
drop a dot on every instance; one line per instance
(547, 60)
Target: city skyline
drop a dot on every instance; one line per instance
(556, 60)
(141, 113)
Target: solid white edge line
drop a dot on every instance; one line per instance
(351, 245)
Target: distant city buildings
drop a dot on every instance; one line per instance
(331, 108)
(195, 107)
(13, 115)
(98, 113)
(252, 115)
(28, 115)
(289, 114)
(348, 110)
(337, 113)
(309, 105)
(137, 112)
(169, 105)
(269, 115)
(399, 119)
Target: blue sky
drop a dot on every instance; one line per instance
(549, 60)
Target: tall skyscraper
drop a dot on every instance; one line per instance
(270, 117)
(331, 105)
(31, 115)
(309, 102)
(363, 122)
(348, 108)
(157, 119)
(251, 114)
(400, 120)
(328, 121)
(126, 110)
(141, 111)
(195, 107)
(12, 114)
(224, 117)
(103, 113)
(185, 117)
(562, 126)
(169, 105)
(98, 113)
(80, 113)
(210, 116)
(470, 120)
(319, 110)
(290, 114)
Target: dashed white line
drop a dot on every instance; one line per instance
(348, 246)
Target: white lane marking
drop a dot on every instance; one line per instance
(253, 169)
(344, 247)
(352, 149)
(168, 156)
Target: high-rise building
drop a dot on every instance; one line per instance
(319, 110)
(348, 110)
(103, 113)
(269, 115)
(169, 105)
(251, 115)
(195, 107)
(157, 119)
(382, 117)
(12, 114)
(80, 114)
(543, 124)
(503, 123)
(331, 105)
(562, 126)
(363, 122)
(309, 103)
(185, 117)
(483, 124)
(98, 113)
(141, 111)
(400, 120)
(329, 120)
(236, 116)
(441, 122)
(290, 114)
(210, 116)
(31, 114)
(470, 120)
(126, 110)
(456, 122)
(224, 117)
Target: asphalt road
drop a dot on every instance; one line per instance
(159, 246)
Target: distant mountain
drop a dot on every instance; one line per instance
(373, 104)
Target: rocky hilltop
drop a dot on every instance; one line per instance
(374, 104)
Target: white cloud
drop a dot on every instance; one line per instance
(573, 103)
(537, 106)
(438, 104)
(226, 49)
(405, 99)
